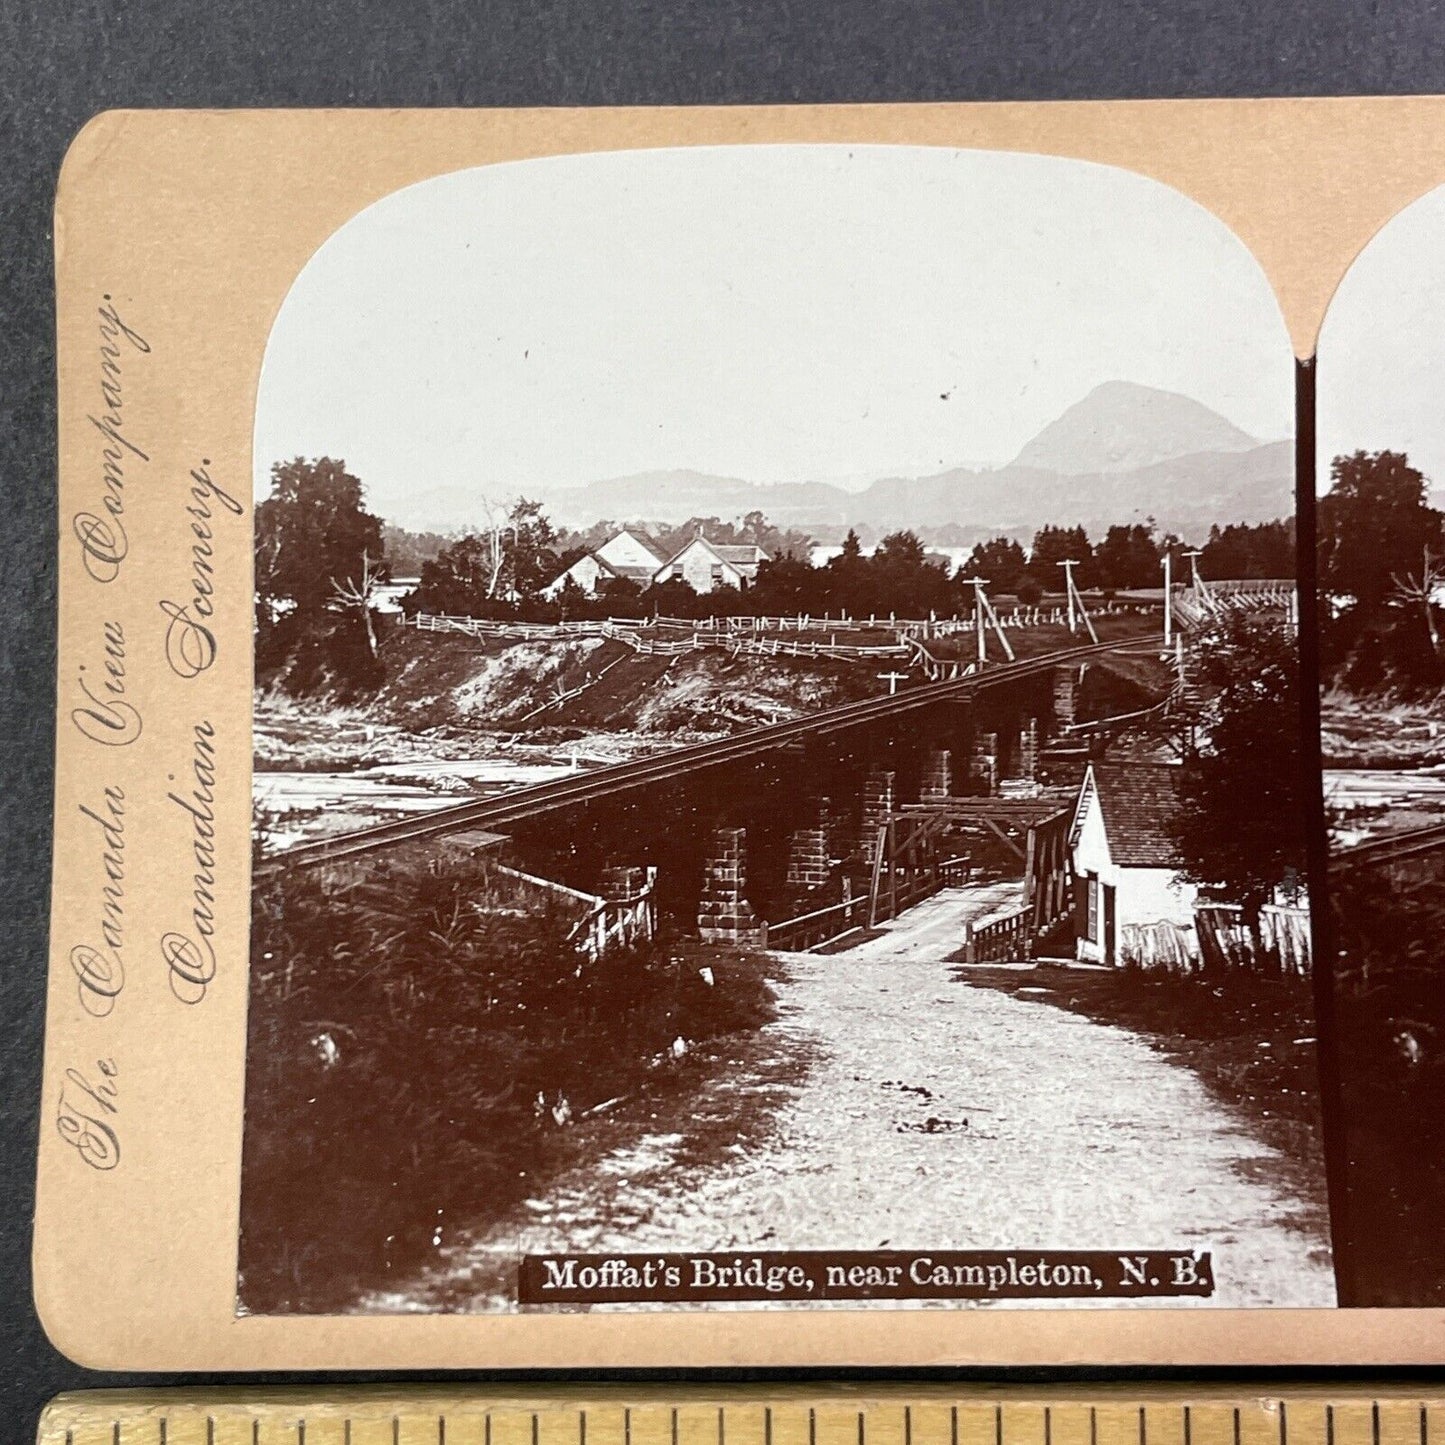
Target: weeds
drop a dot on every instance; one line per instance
(414, 1058)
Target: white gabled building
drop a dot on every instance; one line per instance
(1125, 861)
(626, 554)
(630, 554)
(704, 565)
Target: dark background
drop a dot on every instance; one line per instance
(61, 62)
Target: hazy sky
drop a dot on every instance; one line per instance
(775, 313)
(1381, 381)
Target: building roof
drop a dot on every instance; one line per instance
(1138, 800)
(602, 564)
(560, 580)
(748, 554)
(734, 554)
(641, 538)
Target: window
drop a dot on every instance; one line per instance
(1092, 928)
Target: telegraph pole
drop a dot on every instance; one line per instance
(1069, 591)
(1194, 557)
(983, 615)
(1077, 611)
(978, 606)
(1202, 596)
(1168, 601)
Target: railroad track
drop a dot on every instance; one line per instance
(1380, 852)
(513, 806)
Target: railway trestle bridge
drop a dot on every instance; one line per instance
(794, 833)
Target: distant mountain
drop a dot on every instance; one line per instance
(1121, 427)
(684, 494)
(1122, 454)
(1185, 494)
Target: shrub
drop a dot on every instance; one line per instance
(400, 1038)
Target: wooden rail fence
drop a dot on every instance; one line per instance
(823, 925)
(602, 923)
(766, 636)
(1004, 939)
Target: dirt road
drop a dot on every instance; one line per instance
(931, 1115)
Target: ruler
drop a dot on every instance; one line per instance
(752, 1415)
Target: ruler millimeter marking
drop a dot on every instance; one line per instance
(749, 1415)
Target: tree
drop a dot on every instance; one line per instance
(508, 560)
(1416, 590)
(1028, 591)
(487, 559)
(359, 595)
(1128, 557)
(905, 581)
(1053, 545)
(529, 556)
(848, 583)
(1240, 823)
(753, 528)
(1265, 550)
(1000, 562)
(313, 532)
(319, 562)
(1374, 528)
(1374, 522)
(463, 580)
(900, 550)
(407, 551)
(788, 584)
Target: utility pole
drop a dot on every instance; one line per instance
(983, 615)
(1203, 598)
(1194, 557)
(1077, 611)
(1069, 591)
(1168, 601)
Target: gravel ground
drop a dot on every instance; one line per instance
(929, 1115)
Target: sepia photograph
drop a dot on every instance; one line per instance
(1381, 609)
(778, 737)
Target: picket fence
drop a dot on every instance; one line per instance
(1220, 940)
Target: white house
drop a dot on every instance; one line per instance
(704, 565)
(630, 554)
(588, 572)
(1128, 903)
(627, 554)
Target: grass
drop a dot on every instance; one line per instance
(415, 1058)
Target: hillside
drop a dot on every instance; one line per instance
(1185, 494)
(451, 697)
(1122, 453)
(1121, 427)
